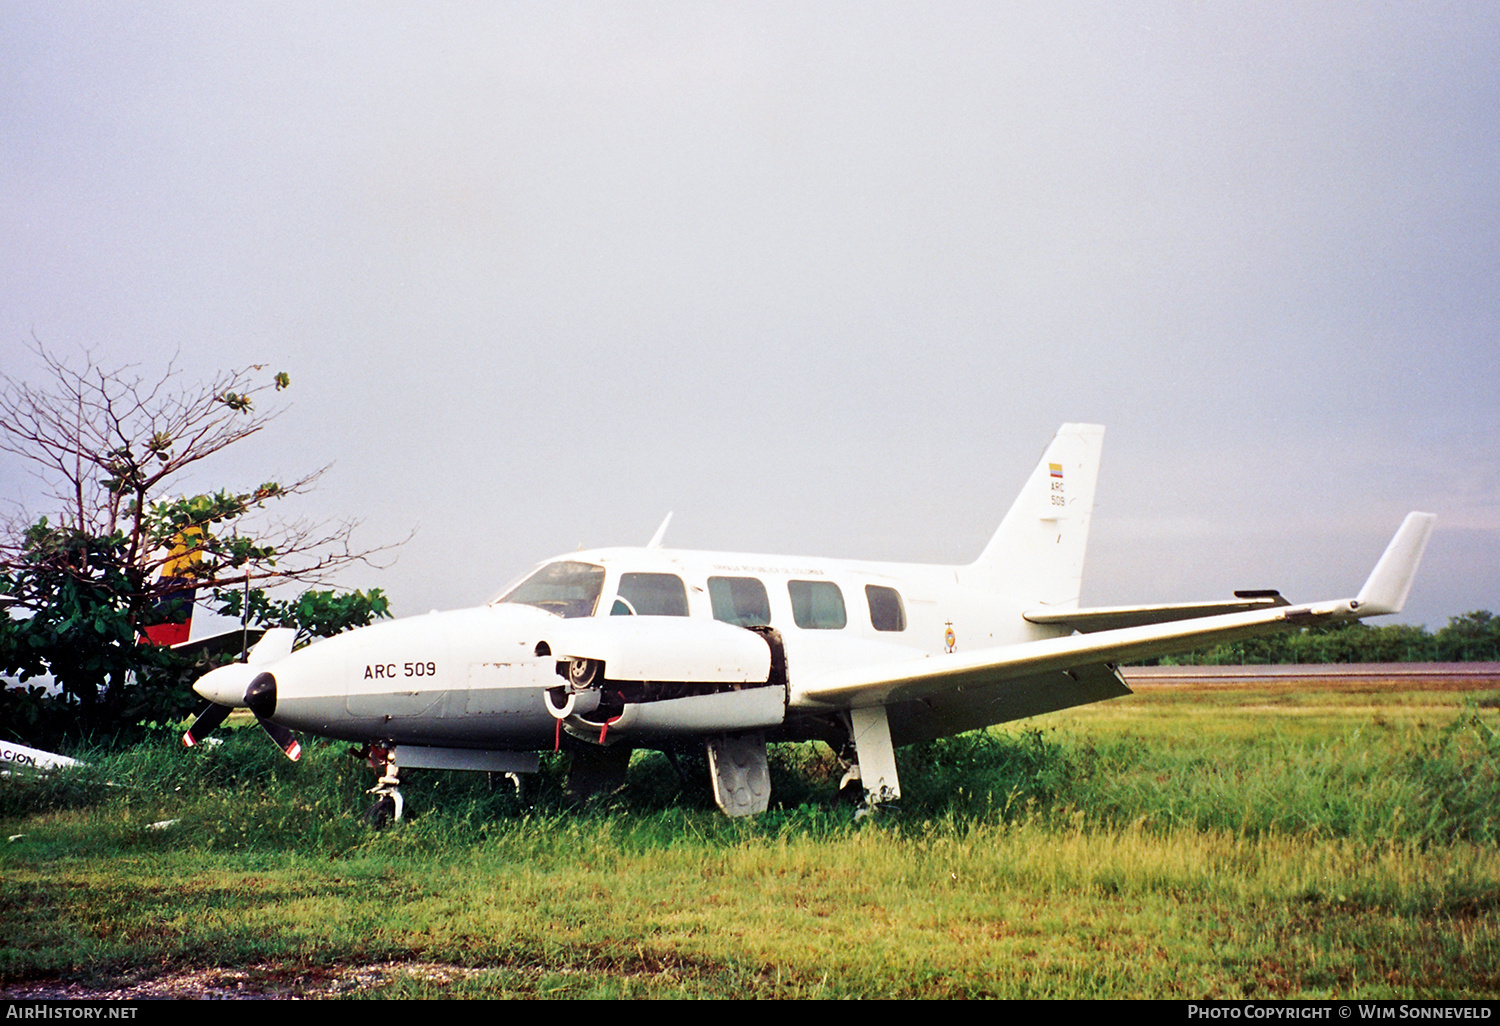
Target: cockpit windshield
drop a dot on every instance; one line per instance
(568, 589)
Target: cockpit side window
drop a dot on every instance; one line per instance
(741, 601)
(817, 605)
(887, 613)
(650, 595)
(568, 589)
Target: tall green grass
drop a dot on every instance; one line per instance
(1198, 851)
(1433, 786)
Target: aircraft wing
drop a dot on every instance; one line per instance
(31, 758)
(1035, 664)
(1108, 618)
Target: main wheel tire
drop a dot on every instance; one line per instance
(584, 673)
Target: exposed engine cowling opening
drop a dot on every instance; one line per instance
(665, 708)
(611, 707)
(772, 637)
(583, 674)
(563, 702)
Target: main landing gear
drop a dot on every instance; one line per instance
(873, 774)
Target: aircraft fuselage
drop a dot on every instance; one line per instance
(478, 678)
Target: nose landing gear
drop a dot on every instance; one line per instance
(389, 804)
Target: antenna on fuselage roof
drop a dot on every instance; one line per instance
(655, 542)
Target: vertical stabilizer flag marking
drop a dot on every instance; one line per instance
(176, 608)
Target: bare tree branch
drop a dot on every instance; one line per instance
(110, 442)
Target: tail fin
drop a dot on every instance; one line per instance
(1036, 556)
(176, 609)
(1390, 581)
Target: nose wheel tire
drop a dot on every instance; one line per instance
(388, 801)
(386, 810)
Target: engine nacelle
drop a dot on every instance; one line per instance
(692, 716)
(664, 649)
(643, 677)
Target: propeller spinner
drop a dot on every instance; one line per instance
(245, 685)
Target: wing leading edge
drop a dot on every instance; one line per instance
(1034, 669)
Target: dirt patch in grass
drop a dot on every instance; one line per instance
(267, 980)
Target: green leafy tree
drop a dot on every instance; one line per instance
(81, 585)
(67, 587)
(314, 614)
(1472, 636)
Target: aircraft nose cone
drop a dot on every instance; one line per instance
(260, 696)
(226, 685)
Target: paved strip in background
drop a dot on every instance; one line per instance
(1415, 676)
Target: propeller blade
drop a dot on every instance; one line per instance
(209, 716)
(285, 739)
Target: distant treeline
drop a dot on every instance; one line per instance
(1472, 637)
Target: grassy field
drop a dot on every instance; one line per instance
(1293, 840)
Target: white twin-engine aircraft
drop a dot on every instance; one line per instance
(607, 650)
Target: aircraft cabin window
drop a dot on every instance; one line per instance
(650, 595)
(886, 610)
(741, 601)
(817, 605)
(568, 589)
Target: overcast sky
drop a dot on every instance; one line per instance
(823, 278)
